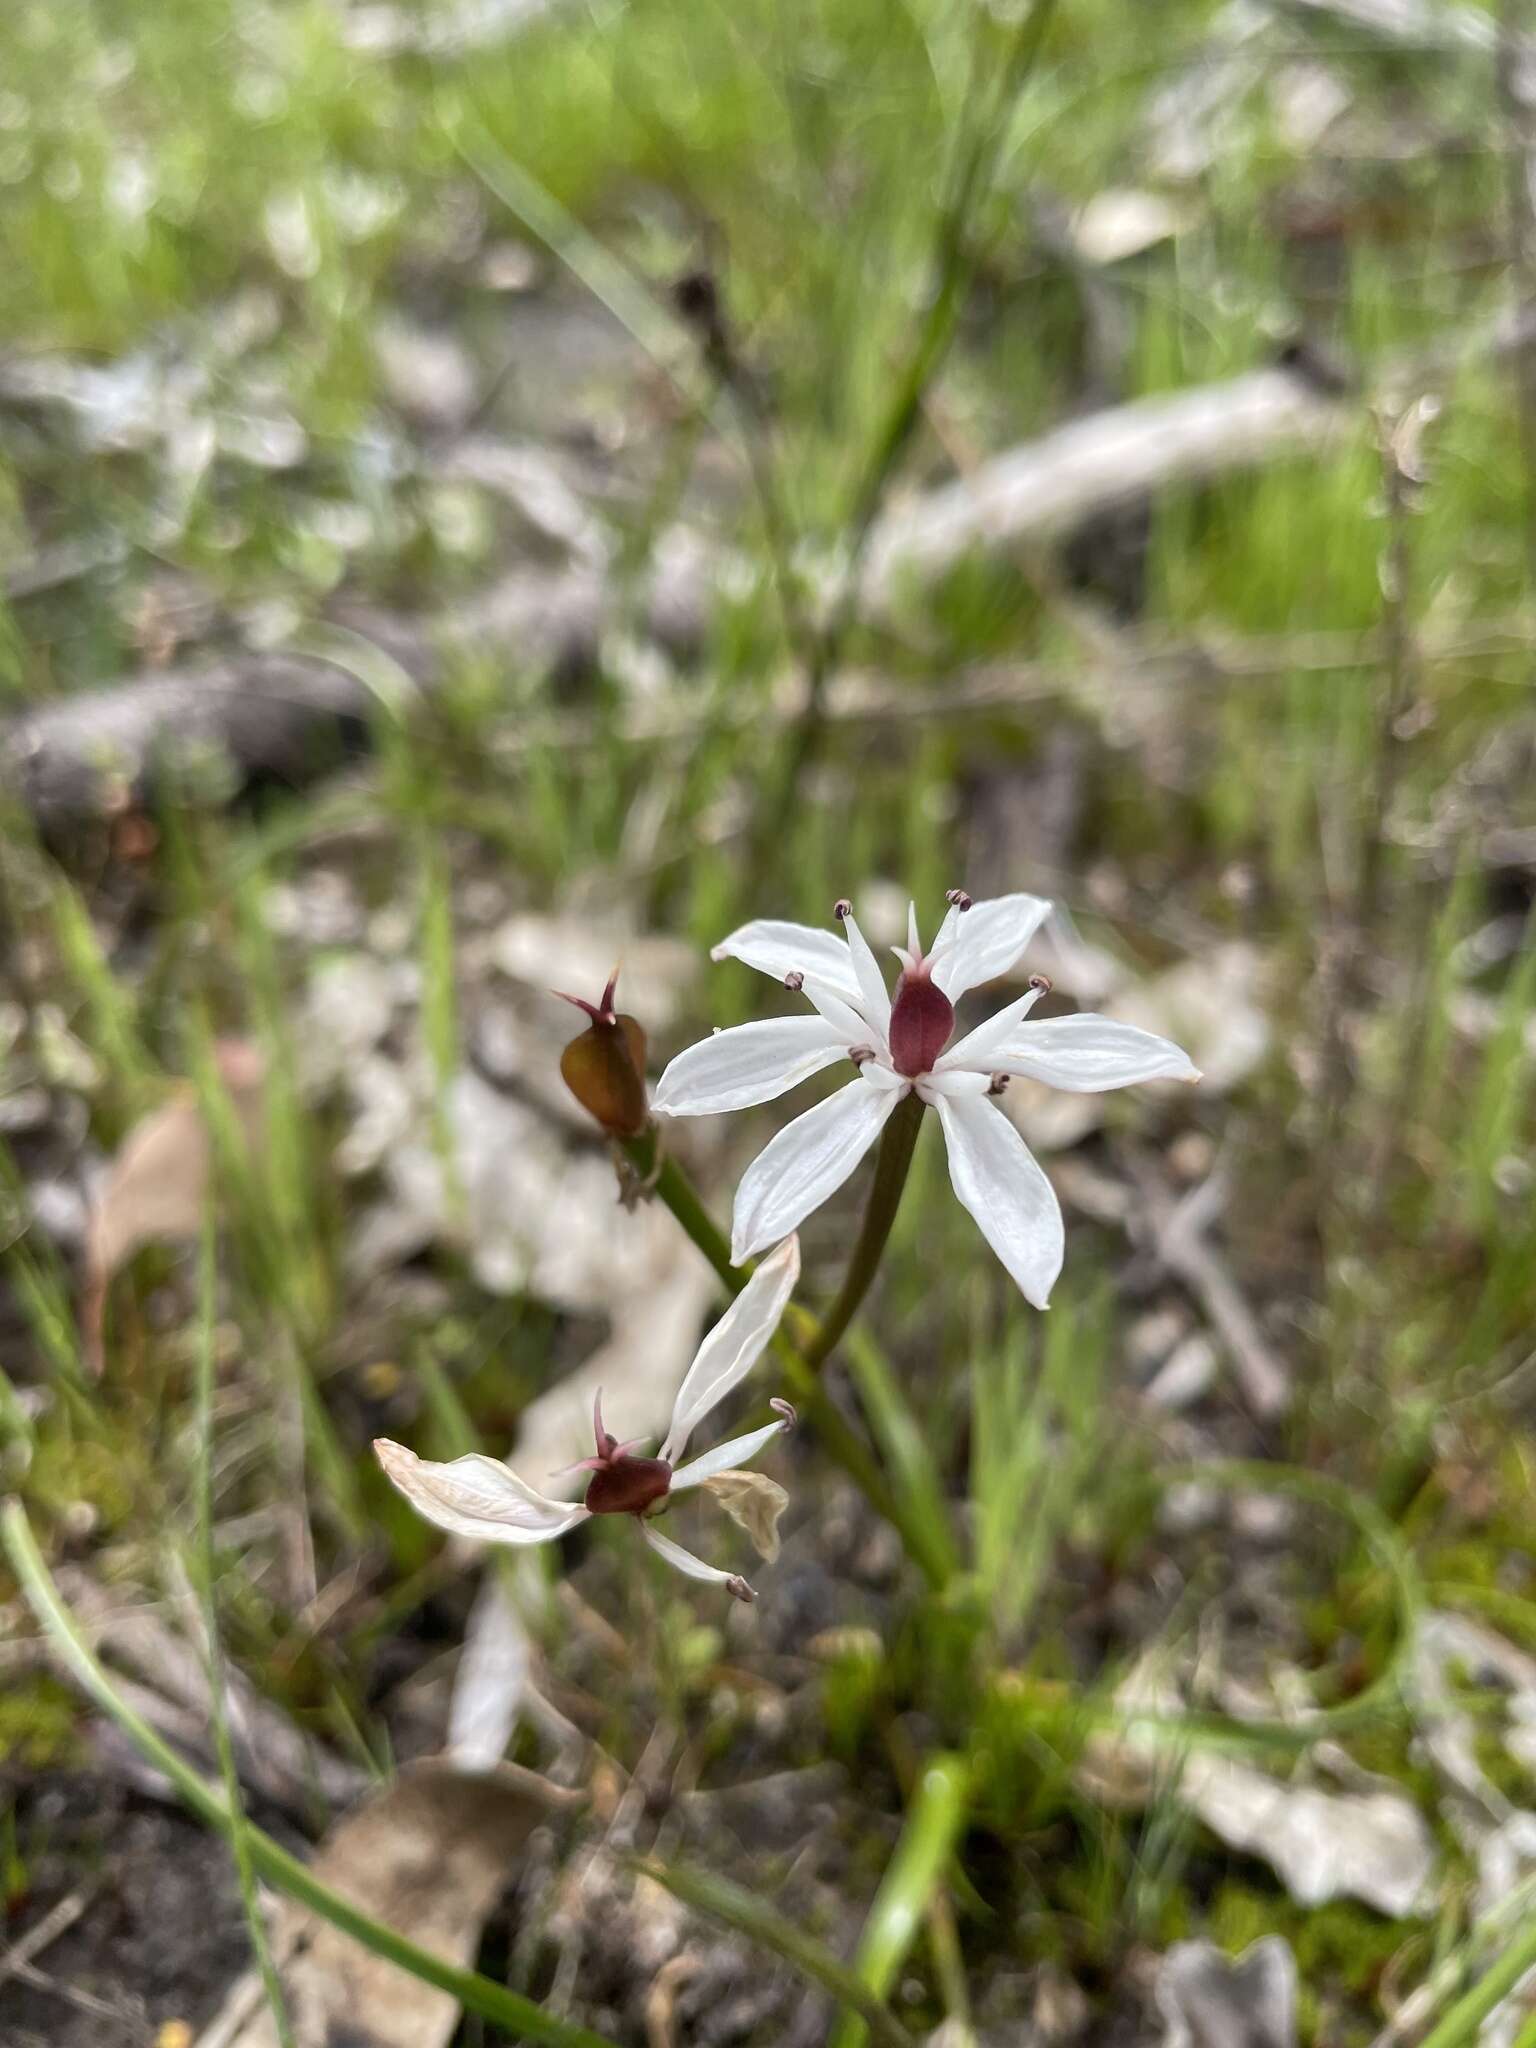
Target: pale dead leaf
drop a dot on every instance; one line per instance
(429, 1856)
(756, 1503)
(1122, 222)
(1211, 2000)
(1373, 1845)
(1322, 1845)
(157, 1186)
(578, 952)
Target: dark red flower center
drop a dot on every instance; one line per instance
(922, 1019)
(627, 1486)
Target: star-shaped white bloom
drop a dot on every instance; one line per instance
(480, 1497)
(901, 1047)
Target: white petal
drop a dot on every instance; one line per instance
(1087, 1054)
(954, 1082)
(985, 941)
(874, 996)
(477, 1496)
(734, 1345)
(726, 1457)
(750, 1064)
(876, 1074)
(976, 1049)
(775, 947)
(849, 1024)
(997, 1179)
(808, 1160)
(695, 1567)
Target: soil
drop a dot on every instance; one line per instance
(162, 1933)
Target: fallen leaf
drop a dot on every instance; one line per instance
(157, 1186)
(1209, 1999)
(1372, 1845)
(429, 1856)
(1322, 1845)
(579, 953)
(1122, 222)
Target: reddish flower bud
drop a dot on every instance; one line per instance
(605, 1067)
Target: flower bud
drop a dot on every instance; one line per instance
(604, 1068)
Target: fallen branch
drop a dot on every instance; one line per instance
(286, 717)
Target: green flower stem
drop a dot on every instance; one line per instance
(891, 1164)
(671, 1186)
(933, 1824)
(504, 2008)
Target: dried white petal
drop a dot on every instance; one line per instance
(476, 1496)
(754, 1501)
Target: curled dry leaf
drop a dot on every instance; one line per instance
(157, 1186)
(429, 1856)
(754, 1501)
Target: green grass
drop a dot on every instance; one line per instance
(169, 173)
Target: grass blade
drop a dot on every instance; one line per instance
(933, 1824)
(203, 1577)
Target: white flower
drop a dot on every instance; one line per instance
(480, 1497)
(899, 1048)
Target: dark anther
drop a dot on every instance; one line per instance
(783, 1410)
(1041, 984)
(958, 898)
(794, 980)
(842, 908)
(998, 1085)
(860, 1053)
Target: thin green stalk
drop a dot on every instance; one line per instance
(1461, 2024)
(749, 1914)
(477, 1994)
(891, 1164)
(1171, 1732)
(673, 1188)
(933, 1824)
(213, 1650)
(905, 1448)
